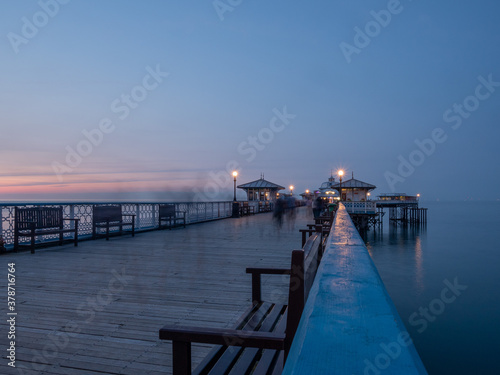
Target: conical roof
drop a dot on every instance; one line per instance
(260, 184)
(353, 183)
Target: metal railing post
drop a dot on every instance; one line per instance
(138, 223)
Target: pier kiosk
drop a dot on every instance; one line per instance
(261, 190)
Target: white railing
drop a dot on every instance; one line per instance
(146, 215)
(368, 207)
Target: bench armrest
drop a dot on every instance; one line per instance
(268, 271)
(182, 337)
(256, 284)
(223, 336)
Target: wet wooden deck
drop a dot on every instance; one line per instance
(97, 308)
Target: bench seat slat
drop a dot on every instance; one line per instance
(250, 322)
(249, 356)
(269, 355)
(216, 352)
(234, 353)
(278, 369)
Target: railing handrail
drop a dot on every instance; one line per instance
(349, 316)
(58, 203)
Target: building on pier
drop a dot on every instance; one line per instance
(354, 190)
(326, 190)
(403, 208)
(397, 199)
(355, 195)
(261, 190)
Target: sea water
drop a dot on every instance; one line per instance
(444, 279)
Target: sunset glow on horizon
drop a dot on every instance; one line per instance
(162, 97)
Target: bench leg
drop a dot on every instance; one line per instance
(303, 238)
(181, 357)
(256, 288)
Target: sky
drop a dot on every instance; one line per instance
(161, 100)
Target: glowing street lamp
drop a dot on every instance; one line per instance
(235, 174)
(340, 173)
(291, 189)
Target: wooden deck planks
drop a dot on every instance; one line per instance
(97, 308)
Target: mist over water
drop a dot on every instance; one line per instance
(454, 333)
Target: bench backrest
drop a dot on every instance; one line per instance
(105, 213)
(41, 217)
(303, 269)
(167, 210)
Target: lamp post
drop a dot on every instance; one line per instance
(340, 173)
(291, 190)
(235, 174)
(236, 205)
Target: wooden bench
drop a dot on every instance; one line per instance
(261, 338)
(107, 217)
(325, 219)
(168, 213)
(265, 207)
(40, 221)
(313, 228)
(246, 209)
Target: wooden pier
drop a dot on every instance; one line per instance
(97, 308)
(408, 215)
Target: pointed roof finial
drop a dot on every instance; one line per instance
(353, 175)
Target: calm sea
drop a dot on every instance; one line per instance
(445, 282)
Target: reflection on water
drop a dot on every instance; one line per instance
(406, 239)
(459, 244)
(418, 264)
